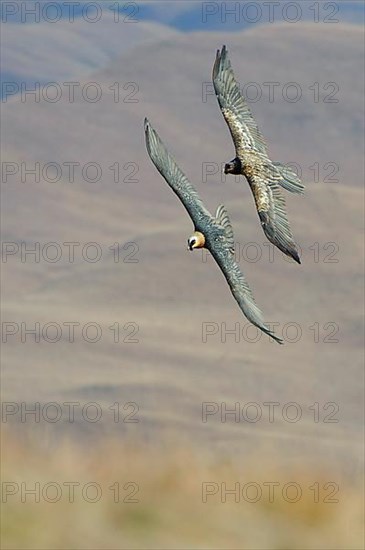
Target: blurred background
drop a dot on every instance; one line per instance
(139, 407)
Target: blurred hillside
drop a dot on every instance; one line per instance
(76, 38)
(63, 51)
(165, 299)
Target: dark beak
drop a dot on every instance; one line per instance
(227, 168)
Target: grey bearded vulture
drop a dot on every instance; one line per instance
(211, 232)
(252, 161)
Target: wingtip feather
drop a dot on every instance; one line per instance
(297, 259)
(278, 340)
(146, 124)
(272, 335)
(220, 59)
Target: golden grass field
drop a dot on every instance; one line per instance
(170, 512)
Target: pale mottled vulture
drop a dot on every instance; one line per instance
(252, 161)
(213, 233)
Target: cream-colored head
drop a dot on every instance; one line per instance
(197, 240)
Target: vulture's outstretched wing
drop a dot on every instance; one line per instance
(223, 253)
(245, 133)
(270, 205)
(240, 289)
(179, 183)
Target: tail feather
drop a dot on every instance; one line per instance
(289, 179)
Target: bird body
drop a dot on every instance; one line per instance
(214, 233)
(264, 176)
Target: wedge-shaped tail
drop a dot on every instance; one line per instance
(289, 180)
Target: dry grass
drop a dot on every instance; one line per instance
(169, 512)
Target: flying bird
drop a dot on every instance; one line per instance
(252, 161)
(214, 233)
